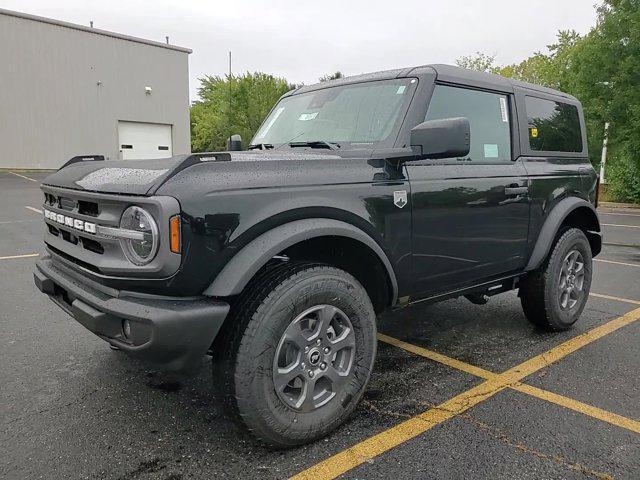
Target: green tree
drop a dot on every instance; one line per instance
(478, 61)
(230, 105)
(601, 69)
(333, 76)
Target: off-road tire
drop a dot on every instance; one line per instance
(243, 354)
(539, 291)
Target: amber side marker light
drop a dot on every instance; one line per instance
(174, 234)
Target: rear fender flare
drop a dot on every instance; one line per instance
(551, 226)
(245, 264)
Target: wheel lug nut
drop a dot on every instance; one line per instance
(306, 348)
(318, 341)
(326, 350)
(310, 373)
(323, 366)
(302, 365)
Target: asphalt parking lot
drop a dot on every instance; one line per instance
(459, 390)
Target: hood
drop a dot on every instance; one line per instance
(144, 177)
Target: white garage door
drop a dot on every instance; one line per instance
(138, 140)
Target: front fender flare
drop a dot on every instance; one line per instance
(550, 227)
(245, 264)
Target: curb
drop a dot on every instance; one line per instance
(619, 205)
(626, 245)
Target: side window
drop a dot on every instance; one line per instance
(488, 116)
(553, 126)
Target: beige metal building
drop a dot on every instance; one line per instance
(68, 90)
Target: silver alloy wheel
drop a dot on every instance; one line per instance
(571, 280)
(314, 358)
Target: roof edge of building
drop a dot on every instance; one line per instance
(97, 31)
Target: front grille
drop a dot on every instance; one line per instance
(88, 243)
(68, 204)
(50, 199)
(69, 237)
(71, 259)
(92, 245)
(76, 222)
(88, 208)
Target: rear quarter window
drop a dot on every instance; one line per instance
(553, 126)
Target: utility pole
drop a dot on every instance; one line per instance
(230, 96)
(603, 159)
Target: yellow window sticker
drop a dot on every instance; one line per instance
(534, 132)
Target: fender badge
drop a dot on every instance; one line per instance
(400, 198)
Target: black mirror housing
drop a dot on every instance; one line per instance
(234, 143)
(445, 138)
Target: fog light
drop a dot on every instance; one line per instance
(126, 328)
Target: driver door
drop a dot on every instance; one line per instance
(470, 215)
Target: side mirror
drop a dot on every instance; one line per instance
(234, 143)
(446, 138)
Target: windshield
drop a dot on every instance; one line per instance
(363, 113)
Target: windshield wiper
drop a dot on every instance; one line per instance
(316, 144)
(261, 146)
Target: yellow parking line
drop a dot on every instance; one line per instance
(33, 209)
(451, 362)
(611, 297)
(616, 263)
(361, 452)
(23, 176)
(560, 400)
(589, 410)
(619, 225)
(28, 255)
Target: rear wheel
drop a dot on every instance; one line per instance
(554, 295)
(298, 355)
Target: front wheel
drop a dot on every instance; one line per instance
(298, 356)
(554, 295)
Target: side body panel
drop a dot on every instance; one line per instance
(465, 228)
(228, 204)
(553, 176)
(552, 179)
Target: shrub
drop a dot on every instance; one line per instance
(623, 180)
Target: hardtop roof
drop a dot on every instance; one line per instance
(445, 73)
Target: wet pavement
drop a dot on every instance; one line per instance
(72, 408)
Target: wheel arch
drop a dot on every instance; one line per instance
(569, 212)
(246, 263)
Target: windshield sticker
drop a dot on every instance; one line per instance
(268, 126)
(490, 150)
(307, 116)
(503, 109)
(401, 90)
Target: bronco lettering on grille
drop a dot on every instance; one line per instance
(70, 221)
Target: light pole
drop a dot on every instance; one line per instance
(603, 159)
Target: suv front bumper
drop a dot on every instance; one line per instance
(170, 332)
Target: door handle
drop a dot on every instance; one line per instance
(516, 190)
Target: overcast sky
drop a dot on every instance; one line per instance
(303, 40)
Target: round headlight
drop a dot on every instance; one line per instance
(142, 247)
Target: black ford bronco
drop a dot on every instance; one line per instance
(355, 196)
